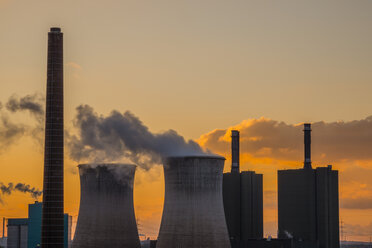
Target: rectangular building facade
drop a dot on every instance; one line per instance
(251, 202)
(17, 233)
(243, 204)
(308, 208)
(34, 224)
(327, 207)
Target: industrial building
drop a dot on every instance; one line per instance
(308, 204)
(243, 200)
(52, 215)
(106, 214)
(148, 243)
(17, 233)
(3, 239)
(26, 232)
(269, 243)
(193, 214)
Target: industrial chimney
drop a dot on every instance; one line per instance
(52, 231)
(193, 214)
(3, 227)
(106, 214)
(307, 141)
(235, 164)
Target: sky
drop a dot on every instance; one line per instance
(200, 68)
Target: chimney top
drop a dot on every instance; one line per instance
(55, 30)
(307, 142)
(234, 132)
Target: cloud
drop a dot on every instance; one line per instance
(331, 141)
(120, 136)
(356, 203)
(74, 65)
(267, 145)
(358, 230)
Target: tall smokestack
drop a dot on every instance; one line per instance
(307, 141)
(52, 232)
(235, 165)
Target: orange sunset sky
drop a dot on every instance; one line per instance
(200, 68)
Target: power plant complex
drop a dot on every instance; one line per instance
(203, 207)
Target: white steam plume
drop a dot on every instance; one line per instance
(124, 136)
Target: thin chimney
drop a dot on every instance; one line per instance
(307, 141)
(52, 227)
(3, 227)
(235, 166)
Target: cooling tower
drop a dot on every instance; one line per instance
(106, 214)
(193, 214)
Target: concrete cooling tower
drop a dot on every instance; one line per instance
(193, 214)
(106, 214)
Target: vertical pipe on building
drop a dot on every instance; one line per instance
(307, 141)
(3, 227)
(52, 234)
(235, 164)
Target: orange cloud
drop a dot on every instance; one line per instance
(333, 141)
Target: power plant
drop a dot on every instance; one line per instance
(193, 214)
(52, 231)
(243, 200)
(308, 204)
(203, 207)
(106, 214)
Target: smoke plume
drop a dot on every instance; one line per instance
(124, 136)
(32, 103)
(20, 187)
(10, 131)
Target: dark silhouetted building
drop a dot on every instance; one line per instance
(243, 200)
(308, 207)
(269, 243)
(52, 216)
(17, 233)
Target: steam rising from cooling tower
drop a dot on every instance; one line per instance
(124, 135)
(193, 214)
(106, 214)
